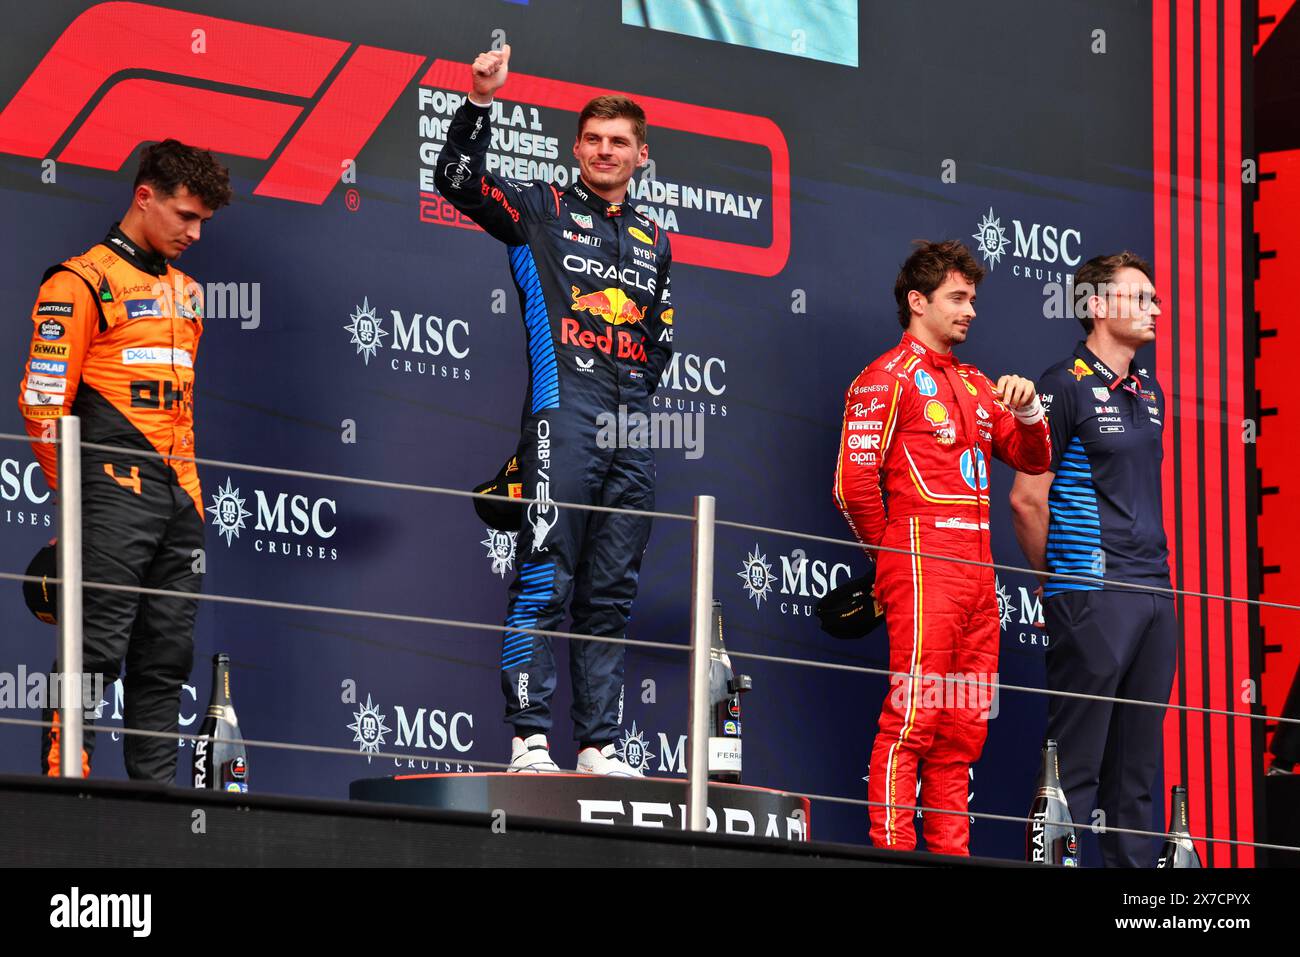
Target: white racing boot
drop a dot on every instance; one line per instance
(532, 755)
(605, 761)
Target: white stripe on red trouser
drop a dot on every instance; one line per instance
(942, 619)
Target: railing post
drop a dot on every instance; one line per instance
(69, 552)
(697, 769)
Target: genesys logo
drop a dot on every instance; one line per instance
(414, 344)
(286, 525)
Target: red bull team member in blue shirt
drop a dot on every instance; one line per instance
(1098, 513)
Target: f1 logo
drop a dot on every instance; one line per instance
(110, 38)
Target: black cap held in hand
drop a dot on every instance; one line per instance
(500, 512)
(42, 597)
(851, 611)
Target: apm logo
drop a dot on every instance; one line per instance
(82, 73)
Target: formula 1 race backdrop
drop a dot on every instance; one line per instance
(357, 325)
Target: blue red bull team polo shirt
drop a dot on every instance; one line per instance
(1106, 514)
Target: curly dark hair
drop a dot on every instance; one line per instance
(171, 164)
(927, 268)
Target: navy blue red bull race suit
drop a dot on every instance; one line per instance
(593, 283)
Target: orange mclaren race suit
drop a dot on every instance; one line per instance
(913, 474)
(115, 333)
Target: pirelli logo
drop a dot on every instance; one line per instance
(43, 411)
(54, 309)
(50, 350)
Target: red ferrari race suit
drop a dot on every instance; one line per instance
(913, 474)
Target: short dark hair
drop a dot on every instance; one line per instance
(928, 267)
(612, 107)
(171, 164)
(1098, 271)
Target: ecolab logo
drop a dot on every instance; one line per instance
(1035, 242)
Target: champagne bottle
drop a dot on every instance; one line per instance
(1050, 838)
(220, 759)
(1178, 849)
(725, 688)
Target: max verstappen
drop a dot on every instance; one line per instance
(913, 475)
(114, 339)
(592, 276)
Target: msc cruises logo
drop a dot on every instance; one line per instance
(367, 330)
(228, 511)
(369, 729)
(991, 238)
(501, 550)
(634, 749)
(756, 575)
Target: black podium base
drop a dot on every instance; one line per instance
(734, 809)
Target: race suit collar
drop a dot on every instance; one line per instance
(940, 359)
(1108, 375)
(594, 202)
(151, 263)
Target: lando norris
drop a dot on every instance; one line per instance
(592, 276)
(115, 334)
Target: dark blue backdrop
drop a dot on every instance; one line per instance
(1032, 128)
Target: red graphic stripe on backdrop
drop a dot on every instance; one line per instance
(673, 115)
(135, 111)
(1212, 418)
(1161, 131)
(1188, 412)
(336, 130)
(113, 37)
(1242, 755)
